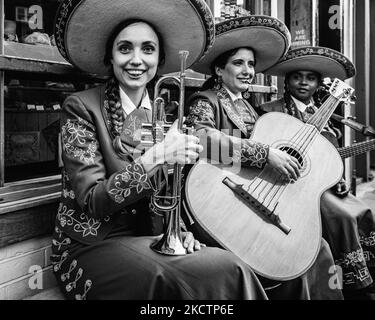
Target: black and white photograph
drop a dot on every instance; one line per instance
(185, 156)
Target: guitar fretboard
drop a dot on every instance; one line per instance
(357, 149)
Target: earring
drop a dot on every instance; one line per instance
(218, 83)
(246, 95)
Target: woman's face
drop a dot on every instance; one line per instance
(303, 84)
(135, 56)
(238, 71)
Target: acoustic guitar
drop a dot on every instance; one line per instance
(273, 227)
(357, 149)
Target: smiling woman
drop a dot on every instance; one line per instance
(220, 114)
(105, 222)
(135, 56)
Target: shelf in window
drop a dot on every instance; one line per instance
(31, 111)
(43, 53)
(37, 58)
(69, 90)
(26, 194)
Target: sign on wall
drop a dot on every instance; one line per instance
(301, 23)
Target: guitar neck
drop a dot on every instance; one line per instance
(357, 149)
(321, 117)
(339, 91)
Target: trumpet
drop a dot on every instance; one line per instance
(166, 200)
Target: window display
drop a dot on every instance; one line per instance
(36, 82)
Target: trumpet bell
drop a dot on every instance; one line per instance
(169, 245)
(171, 241)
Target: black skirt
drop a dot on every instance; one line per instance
(125, 267)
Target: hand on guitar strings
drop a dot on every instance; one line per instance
(287, 166)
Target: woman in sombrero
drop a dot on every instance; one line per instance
(348, 223)
(244, 46)
(101, 244)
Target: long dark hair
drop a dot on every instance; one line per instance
(220, 62)
(112, 92)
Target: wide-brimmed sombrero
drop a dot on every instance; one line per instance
(267, 36)
(82, 28)
(325, 61)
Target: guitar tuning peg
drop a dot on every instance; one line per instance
(352, 99)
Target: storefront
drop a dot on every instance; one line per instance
(35, 79)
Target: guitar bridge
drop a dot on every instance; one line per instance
(254, 203)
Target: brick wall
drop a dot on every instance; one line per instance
(16, 264)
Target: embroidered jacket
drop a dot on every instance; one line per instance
(99, 189)
(216, 113)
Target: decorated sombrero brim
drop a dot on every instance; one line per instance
(82, 28)
(267, 36)
(325, 61)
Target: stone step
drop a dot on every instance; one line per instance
(48, 294)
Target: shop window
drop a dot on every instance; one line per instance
(31, 127)
(30, 21)
(35, 80)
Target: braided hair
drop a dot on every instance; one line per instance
(112, 91)
(116, 114)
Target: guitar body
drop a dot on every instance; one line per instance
(223, 218)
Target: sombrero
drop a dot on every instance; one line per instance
(82, 28)
(267, 36)
(325, 61)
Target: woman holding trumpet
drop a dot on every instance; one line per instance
(101, 243)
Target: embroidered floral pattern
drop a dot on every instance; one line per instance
(59, 244)
(324, 52)
(62, 258)
(208, 21)
(88, 285)
(132, 178)
(201, 110)
(88, 226)
(263, 21)
(354, 267)
(78, 141)
(66, 276)
(68, 194)
(73, 285)
(67, 269)
(361, 274)
(254, 154)
(368, 241)
(227, 103)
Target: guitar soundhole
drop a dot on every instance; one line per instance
(294, 153)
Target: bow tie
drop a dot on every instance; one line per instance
(310, 109)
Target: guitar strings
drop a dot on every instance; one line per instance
(311, 133)
(301, 141)
(279, 186)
